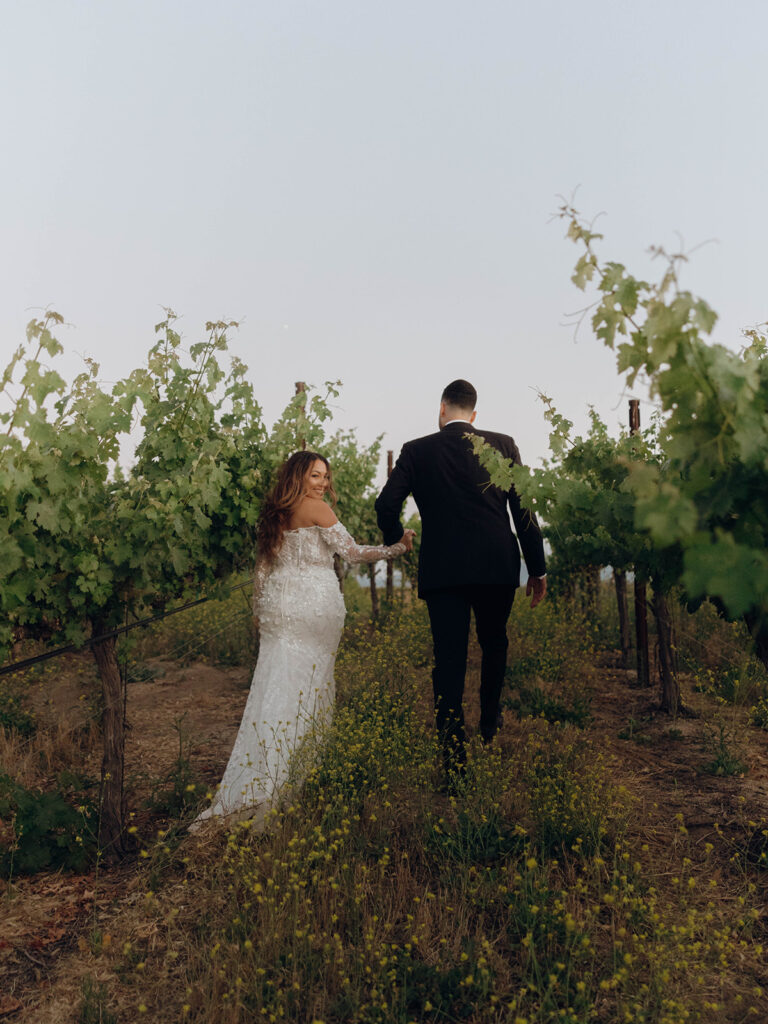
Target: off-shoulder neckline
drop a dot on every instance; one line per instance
(314, 526)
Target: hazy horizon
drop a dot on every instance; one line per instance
(369, 190)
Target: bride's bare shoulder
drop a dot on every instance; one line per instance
(322, 513)
(314, 512)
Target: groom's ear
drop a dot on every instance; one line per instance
(472, 417)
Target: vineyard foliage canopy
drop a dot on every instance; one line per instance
(686, 502)
(85, 541)
(87, 546)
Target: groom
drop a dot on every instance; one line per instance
(469, 558)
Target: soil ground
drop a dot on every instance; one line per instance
(56, 929)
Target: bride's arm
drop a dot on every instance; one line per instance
(340, 540)
(260, 574)
(345, 545)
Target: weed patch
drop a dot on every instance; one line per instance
(93, 1007)
(633, 731)
(726, 760)
(44, 831)
(178, 793)
(539, 890)
(573, 805)
(471, 839)
(535, 702)
(14, 715)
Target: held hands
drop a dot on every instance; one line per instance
(407, 539)
(536, 587)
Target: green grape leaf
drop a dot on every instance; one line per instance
(722, 568)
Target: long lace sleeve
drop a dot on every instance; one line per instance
(259, 577)
(340, 541)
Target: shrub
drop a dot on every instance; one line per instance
(47, 831)
(734, 684)
(93, 1007)
(13, 715)
(572, 802)
(633, 730)
(534, 702)
(725, 761)
(219, 632)
(474, 838)
(758, 714)
(549, 645)
(177, 792)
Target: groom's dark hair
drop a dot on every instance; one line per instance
(461, 394)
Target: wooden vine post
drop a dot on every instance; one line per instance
(301, 387)
(641, 586)
(390, 591)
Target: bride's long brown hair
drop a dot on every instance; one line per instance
(285, 495)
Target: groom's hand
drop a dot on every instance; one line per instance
(537, 588)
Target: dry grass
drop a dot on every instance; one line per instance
(575, 876)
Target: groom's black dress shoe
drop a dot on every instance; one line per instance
(487, 735)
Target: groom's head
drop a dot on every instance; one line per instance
(457, 403)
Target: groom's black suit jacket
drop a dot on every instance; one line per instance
(466, 534)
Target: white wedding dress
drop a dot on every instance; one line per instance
(301, 613)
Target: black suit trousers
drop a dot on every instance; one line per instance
(449, 616)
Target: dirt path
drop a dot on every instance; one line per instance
(57, 932)
(55, 929)
(199, 704)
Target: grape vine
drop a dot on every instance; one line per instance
(685, 504)
(85, 544)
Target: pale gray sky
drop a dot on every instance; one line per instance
(368, 185)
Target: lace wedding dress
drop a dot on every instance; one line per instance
(301, 612)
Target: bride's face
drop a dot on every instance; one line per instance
(316, 481)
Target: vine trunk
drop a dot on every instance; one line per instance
(620, 582)
(113, 739)
(670, 686)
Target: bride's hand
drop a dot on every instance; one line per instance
(407, 539)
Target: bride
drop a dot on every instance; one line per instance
(299, 611)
